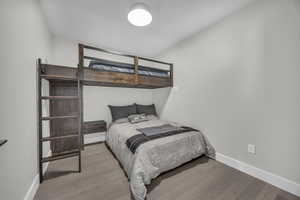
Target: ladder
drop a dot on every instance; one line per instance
(41, 118)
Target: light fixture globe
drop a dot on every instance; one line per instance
(139, 15)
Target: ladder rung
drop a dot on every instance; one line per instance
(61, 155)
(45, 139)
(59, 97)
(60, 117)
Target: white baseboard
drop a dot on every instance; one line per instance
(36, 182)
(94, 137)
(278, 181)
(88, 139)
(33, 188)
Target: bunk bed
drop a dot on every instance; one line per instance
(102, 72)
(144, 150)
(66, 101)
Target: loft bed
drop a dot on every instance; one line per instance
(111, 73)
(67, 128)
(106, 72)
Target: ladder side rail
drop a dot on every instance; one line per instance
(40, 123)
(80, 139)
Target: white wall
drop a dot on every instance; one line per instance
(23, 38)
(97, 98)
(238, 81)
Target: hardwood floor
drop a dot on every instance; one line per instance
(102, 178)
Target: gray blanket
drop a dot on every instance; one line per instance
(158, 129)
(155, 132)
(155, 156)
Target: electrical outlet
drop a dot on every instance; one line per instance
(251, 148)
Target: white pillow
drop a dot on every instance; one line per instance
(137, 118)
(152, 117)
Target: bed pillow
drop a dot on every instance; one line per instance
(121, 120)
(118, 112)
(152, 117)
(137, 118)
(146, 109)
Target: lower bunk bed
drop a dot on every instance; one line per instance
(143, 160)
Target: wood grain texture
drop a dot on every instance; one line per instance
(61, 155)
(53, 72)
(201, 179)
(59, 97)
(94, 77)
(94, 126)
(69, 107)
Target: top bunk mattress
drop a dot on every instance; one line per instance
(110, 66)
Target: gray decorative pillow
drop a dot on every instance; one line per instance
(118, 112)
(146, 109)
(137, 118)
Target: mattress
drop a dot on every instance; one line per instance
(156, 156)
(110, 66)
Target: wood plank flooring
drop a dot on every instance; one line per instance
(103, 179)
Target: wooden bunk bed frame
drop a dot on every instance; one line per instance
(66, 100)
(117, 79)
(94, 77)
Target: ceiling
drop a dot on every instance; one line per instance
(104, 23)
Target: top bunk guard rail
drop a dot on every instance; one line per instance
(83, 46)
(134, 77)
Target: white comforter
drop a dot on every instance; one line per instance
(155, 156)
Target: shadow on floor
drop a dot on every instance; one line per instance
(155, 182)
(54, 174)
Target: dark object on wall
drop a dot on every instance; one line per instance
(2, 142)
(146, 109)
(94, 127)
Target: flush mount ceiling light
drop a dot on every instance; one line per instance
(139, 15)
